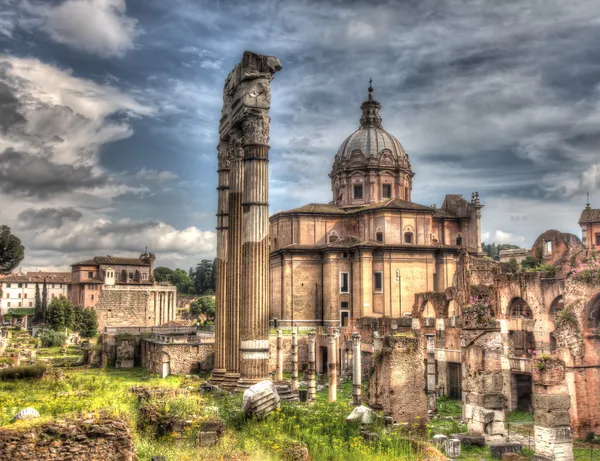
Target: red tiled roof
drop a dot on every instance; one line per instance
(38, 277)
(112, 260)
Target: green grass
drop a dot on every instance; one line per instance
(449, 407)
(320, 426)
(520, 416)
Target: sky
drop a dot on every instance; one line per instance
(109, 112)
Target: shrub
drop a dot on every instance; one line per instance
(23, 372)
(51, 338)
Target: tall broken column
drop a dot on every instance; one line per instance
(356, 370)
(279, 356)
(258, 71)
(332, 364)
(312, 367)
(294, 383)
(218, 373)
(244, 129)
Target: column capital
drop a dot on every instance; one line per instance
(355, 339)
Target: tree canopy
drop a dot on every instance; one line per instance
(493, 250)
(203, 277)
(204, 305)
(11, 250)
(162, 274)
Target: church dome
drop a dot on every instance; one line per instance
(371, 164)
(371, 141)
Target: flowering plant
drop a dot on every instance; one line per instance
(589, 271)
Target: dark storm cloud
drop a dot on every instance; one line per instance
(28, 175)
(9, 105)
(48, 218)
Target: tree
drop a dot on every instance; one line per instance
(204, 305)
(213, 277)
(61, 314)
(513, 265)
(182, 281)
(162, 274)
(87, 322)
(529, 263)
(11, 250)
(203, 277)
(39, 314)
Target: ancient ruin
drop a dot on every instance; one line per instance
(242, 337)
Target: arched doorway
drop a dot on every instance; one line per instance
(453, 310)
(428, 310)
(592, 314)
(166, 365)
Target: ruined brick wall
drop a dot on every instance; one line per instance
(183, 358)
(106, 439)
(397, 384)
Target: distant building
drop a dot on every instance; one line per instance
(123, 291)
(590, 227)
(519, 254)
(18, 290)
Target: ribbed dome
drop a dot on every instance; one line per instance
(371, 140)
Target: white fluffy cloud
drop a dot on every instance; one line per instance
(100, 27)
(56, 195)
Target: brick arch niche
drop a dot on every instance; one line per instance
(519, 308)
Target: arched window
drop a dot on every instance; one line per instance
(459, 240)
(520, 309)
(408, 237)
(593, 313)
(379, 236)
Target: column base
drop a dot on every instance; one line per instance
(217, 376)
(230, 381)
(245, 383)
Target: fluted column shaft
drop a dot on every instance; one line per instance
(234, 271)
(254, 325)
(220, 369)
(294, 383)
(332, 365)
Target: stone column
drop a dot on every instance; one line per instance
(332, 364)
(431, 394)
(254, 327)
(312, 367)
(356, 370)
(279, 364)
(234, 266)
(218, 373)
(294, 384)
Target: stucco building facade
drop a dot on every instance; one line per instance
(371, 249)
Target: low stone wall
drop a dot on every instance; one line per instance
(81, 440)
(183, 358)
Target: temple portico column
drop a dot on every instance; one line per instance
(234, 264)
(294, 359)
(218, 373)
(279, 358)
(254, 326)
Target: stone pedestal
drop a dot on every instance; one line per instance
(453, 448)
(294, 381)
(332, 364)
(439, 441)
(279, 358)
(551, 403)
(312, 375)
(356, 370)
